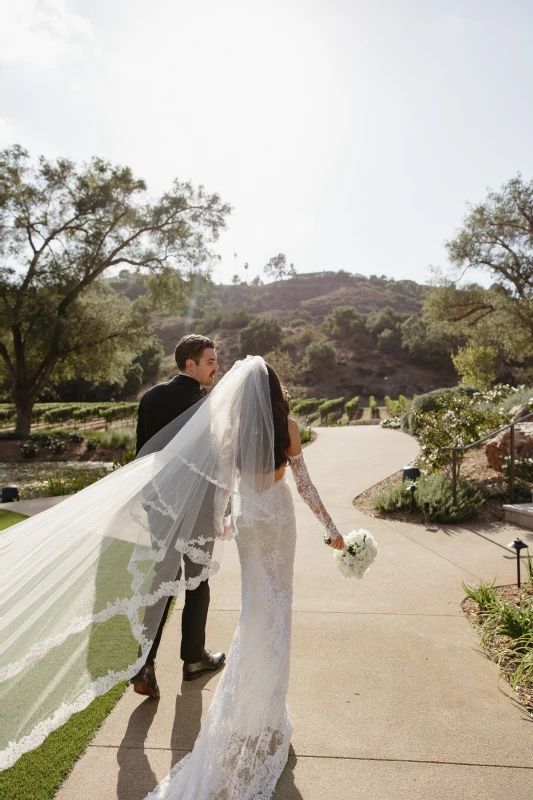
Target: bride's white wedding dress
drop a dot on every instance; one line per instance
(244, 742)
(79, 582)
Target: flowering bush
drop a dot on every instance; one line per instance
(523, 468)
(456, 421)
(391, 422)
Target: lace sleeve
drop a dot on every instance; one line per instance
(310, 496)
(222, 513)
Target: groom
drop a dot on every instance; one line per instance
(197, 364)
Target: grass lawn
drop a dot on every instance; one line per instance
(38, 774)
(8, 518)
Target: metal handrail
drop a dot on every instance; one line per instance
(455, 449)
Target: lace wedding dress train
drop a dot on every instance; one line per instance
(244, 742)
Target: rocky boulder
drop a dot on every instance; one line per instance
(517, 412)
(500, 447)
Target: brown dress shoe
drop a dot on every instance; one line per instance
(145, 681)
(208, 663)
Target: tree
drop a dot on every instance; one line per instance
(379, 321)
(235, 280)
(277, 268)
(285, 367)
(424, 344)
(475, 365)
(320, 356)
(389, 341)
(62, 227)
(347, 321)
(497, 238)
(260, 336)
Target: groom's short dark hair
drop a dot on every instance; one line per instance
(191, 346)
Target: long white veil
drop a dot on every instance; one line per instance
(83, 585)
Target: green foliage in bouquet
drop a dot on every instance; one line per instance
(455, 421)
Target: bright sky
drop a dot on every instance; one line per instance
(347, 134)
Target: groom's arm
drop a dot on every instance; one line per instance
(141, 428)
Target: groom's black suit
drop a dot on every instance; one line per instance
(159, 406)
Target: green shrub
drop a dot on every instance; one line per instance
(331, 408)
(394, 498)
(320, 356)
(424, 403)
(351, 408)
(374, 410)
(484, 595)
(60, 483)
(260, 336)
(305, 435)
(455, 421)
(7, 414)
(127, 458)
(398, 407)
(522, 395)
(234, 318)
(434, 498)
(118, 438)
(304, 407)
(119, 411)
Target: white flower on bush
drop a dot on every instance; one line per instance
(360, 551)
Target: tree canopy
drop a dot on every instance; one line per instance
(497, 238)
(62, 228)
(278, 269)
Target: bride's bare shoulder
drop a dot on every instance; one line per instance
(294, 433)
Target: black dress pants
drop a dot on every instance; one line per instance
(193, 619)
(196, 606)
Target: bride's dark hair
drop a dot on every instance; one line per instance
(280, 413)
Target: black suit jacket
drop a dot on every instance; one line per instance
(163, 403)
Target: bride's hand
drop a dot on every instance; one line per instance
(337, 544)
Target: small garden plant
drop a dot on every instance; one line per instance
(504, 619)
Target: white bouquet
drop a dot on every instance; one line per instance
(360, 550)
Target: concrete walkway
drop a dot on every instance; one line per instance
(389, 696)
(34, 506)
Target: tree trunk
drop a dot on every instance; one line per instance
(24, 414)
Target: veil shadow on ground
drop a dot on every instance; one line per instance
(286, 788)
(136, 777)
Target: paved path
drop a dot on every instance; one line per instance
(389, 696)
(35, 506)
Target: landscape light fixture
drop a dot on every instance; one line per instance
(410, 473)
(517, 545)
(412, 488)
(10, 493)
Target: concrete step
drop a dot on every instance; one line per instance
(519, 514)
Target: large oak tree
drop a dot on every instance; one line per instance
(497, 238)
(62, 228)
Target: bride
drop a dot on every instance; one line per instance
(81, 582)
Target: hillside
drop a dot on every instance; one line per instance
(301, 306)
